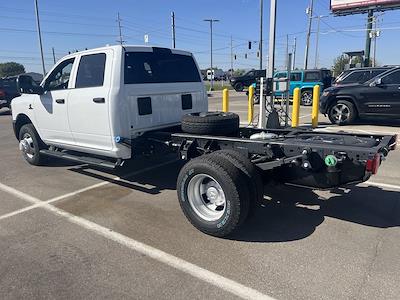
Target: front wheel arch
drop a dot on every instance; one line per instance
(20, 121)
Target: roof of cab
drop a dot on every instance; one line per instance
(129, 48)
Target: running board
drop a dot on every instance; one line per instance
(82, 159)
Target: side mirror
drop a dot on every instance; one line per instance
(26, 85)
(376, 82)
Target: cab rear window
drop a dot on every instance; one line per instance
(159, 67)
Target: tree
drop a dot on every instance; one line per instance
(11, 69)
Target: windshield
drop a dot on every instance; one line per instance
(159, 66)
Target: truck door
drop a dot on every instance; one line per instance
(51, 113)
(384, 98)
(88, 105)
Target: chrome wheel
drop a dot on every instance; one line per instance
(340, 113)
(27, 146)
(206, 197)
(307, 98)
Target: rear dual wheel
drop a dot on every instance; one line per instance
(215, 192)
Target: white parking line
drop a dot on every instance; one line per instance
(383, 185)
(177, 263)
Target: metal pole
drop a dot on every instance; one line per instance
(231, 57)
(294, 53)
(271, 66)
(368, 39)
(261, 33)
(287, 51)
(54, 55)
(289, 68)
(375, 36)
(120, 30)
(317, 43)
(39, 36)
(310, 13)
(211, 21)
(173, 29)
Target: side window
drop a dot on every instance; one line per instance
(392, 78)
(280, 75)
(59, 78)
(91, 71)
(311, 76)
(295, 76)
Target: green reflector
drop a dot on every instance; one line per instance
(331, 160)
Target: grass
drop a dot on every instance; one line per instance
(218, 85)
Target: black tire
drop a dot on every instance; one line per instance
(239, 87)
(31, 144)
(306, 97)
(215, 123)
(233, 185)
(347, 106)
(251, 175)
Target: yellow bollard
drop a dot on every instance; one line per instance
(250, 111)
(315, 106)
(296, 107)
(225, 100)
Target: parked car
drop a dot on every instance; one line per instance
(359, 75)
(8, 91)
(215, 74)
(378, 97)
(305, 80)
(249, 78)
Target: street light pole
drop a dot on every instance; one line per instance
(211, 21)
(309, 13)
(39, 36)
(261, 33)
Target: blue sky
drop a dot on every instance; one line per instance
(73, 24)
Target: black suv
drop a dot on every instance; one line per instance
(359, 75)
(378, 97)
(240, 82)
(8, 91)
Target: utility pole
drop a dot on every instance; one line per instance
(231, 57)
(39, 36)
(294, 53)
(211, 21)
(310, 14)
(54, 55)
(368, 39)
(261, 33)
(120, 30)
(317, 41)
(173, 29)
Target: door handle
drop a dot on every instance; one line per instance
(99, 100)
(60, 101)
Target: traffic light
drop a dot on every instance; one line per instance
(245, 56)
(249, 45)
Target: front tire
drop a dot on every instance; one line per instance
(342, 112)
(239, 87)
(213, 195)
(30, 144)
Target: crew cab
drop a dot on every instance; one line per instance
(104, 106)
(376, 98)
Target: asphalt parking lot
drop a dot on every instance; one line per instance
(69, 231)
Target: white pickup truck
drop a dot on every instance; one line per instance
(104, 106)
